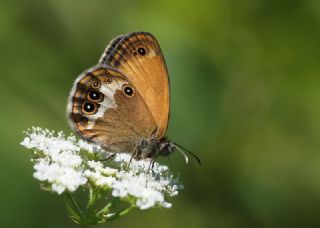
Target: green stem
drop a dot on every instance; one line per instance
(72, 207)
(91, 216)
(104, 210)
(120, 213)
(94, 196)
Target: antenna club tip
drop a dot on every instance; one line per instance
(182, 150)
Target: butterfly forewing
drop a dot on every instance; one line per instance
(105, 107)
(139, 57)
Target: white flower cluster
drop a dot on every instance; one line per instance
(58, 163)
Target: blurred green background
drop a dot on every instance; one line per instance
(245, 98)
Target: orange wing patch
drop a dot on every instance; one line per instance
(139, 56)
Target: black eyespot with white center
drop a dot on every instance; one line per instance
(142, 51)
(95, 95)
(89, 108)
(128, 90)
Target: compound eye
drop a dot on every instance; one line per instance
(89, 108)
(128, 90)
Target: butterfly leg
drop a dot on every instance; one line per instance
(151, 166)
(134, 153)
(108, 158)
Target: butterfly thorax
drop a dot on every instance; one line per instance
(153, 147)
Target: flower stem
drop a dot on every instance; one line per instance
(104, 210)
(94, 196)
(72, 207)
(120, 213)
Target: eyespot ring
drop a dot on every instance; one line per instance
(128, 90)
(95, 84)
(95, 96)
(89, 108)
(108, 80)
(141, 51)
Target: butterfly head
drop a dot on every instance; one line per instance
(153, 148)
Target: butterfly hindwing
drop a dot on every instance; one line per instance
(106, 108)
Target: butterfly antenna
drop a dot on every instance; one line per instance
(183, 150)
(183, 153)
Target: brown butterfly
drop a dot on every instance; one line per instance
(122, 103)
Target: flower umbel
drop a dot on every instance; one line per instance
(64, 165)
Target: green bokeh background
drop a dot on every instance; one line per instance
(245, 92)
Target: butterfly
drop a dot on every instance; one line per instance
(122, 103)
